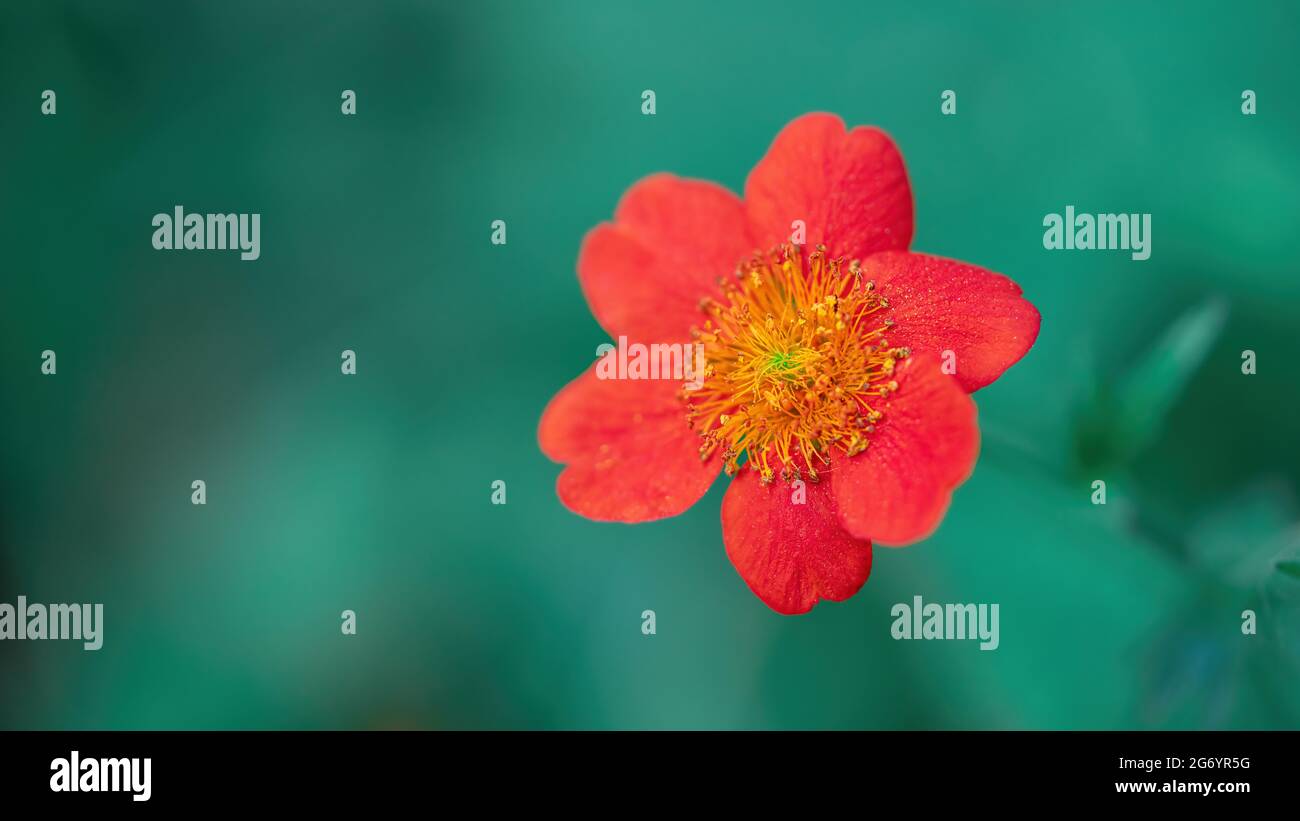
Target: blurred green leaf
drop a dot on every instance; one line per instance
(1283, 584)
(1238, 541)
(1281, 600)
(1191, 670)
(1148, 391)
(1116, 419)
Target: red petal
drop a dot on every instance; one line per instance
(670, 241)
(631, 456)
(791, 555)
(896, 491)
(850, 189)
(942, 305)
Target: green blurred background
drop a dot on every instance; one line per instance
(372, 492)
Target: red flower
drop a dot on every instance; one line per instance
(825, 393)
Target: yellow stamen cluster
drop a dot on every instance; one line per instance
(794, 359)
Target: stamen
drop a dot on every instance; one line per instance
(794, 359)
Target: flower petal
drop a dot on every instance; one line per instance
(631, 456)
(671, 239)
(791, 555)
(942, 305)
(897, 490)
(849, 188)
